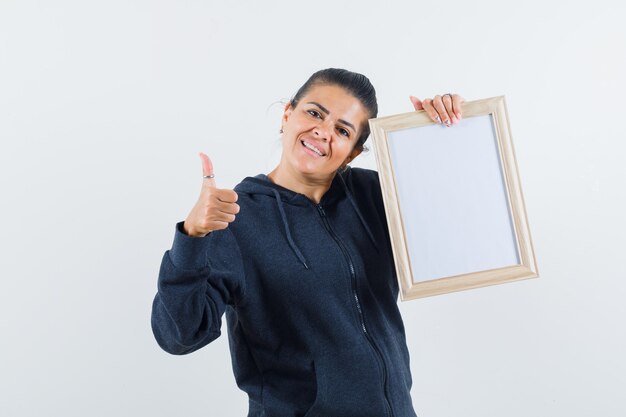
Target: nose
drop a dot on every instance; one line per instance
(324, 129)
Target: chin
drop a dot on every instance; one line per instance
(309, 169)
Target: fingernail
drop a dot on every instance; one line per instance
(438, 119)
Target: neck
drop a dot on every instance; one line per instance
(313, 188)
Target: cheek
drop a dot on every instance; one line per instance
(301, 124)
(294, 129)
(341, 150)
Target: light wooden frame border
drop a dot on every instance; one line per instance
(380, 128)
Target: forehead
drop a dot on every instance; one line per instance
(338, 101)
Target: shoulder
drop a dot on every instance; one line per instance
(364, 173)
(363, 179)
(364, 184)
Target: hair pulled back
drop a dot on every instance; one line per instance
(358, 85)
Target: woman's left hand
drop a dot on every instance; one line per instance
(444, 109)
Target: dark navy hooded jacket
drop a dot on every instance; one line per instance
(310, 297)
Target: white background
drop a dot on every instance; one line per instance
(105, 105)
(467, 224)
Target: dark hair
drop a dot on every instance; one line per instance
(356, 84)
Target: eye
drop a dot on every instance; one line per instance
(344, 132)
(314, 113)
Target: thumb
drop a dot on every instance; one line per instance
(417, 103)
(207, 169)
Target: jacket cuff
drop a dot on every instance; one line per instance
(188, 252)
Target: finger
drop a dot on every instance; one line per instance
(216, 225)
(447, 103)
(216, 220)
(457, 102)
(207, 169)
(417, 103)
(441, 110)
(223, 217)
(230, 208)
(428, 107)
(227, 196)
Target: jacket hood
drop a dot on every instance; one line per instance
(261, 184)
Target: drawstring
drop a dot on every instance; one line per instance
(287, 231)
(367, 229)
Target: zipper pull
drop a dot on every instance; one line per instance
(321, 210)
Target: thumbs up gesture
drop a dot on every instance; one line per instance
(215, 208)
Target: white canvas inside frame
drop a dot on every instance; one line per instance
(466, 225)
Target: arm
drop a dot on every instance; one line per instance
(198, 277)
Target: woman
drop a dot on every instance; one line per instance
(300, 262)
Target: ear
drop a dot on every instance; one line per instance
(287, 112)
(355, 152)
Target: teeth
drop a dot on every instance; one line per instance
(313, 148)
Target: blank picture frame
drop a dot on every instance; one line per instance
(453, 200)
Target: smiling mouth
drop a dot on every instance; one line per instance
(312, 148)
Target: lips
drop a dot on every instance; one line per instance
(312, 144)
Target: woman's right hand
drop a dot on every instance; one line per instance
(215, 208)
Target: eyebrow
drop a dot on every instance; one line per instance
(325, 110)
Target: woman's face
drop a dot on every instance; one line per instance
(319, 134)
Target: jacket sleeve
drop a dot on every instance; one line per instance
(198, 277)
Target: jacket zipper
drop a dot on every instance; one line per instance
(358, 304)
